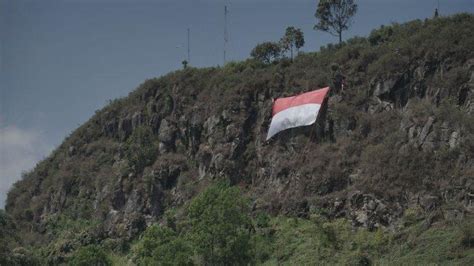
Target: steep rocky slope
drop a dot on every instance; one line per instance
(400, 136)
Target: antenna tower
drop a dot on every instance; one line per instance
(189, 51)
(226, 39)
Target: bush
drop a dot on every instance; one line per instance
(90, 255)
(262, 220)
(266, 52)
(162, 246)
(381, 35)
(220, 226)
(20, 256)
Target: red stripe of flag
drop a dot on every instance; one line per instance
(316, 96)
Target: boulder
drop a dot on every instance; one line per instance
(167, 133)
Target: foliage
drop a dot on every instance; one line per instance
(7, 233)
(292, 39)
(21, 257)
(439, 245)
(162, 246)
(302, 242)
(90, 255)
(220, 226)
(262, 220)
(266, 52)
(215, 231)
(69, 234)
(380, 36)
(10, 252)
(61, 225)
(335, 16)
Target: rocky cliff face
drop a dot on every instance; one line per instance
(398, 136)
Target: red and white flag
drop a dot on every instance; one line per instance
(296, 111)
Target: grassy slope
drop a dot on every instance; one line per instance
(303, 242)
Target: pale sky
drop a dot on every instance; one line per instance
(63, 59)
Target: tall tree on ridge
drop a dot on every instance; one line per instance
(293, 38)
(335, 16)
(266, 52)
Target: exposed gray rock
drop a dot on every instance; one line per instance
(71, 150)
(111, 128)
(453, 215)
(125, 128)
(412, 134)
(426, 129)
(137, 120)
(367, 211)
(217, 161)
(384, 86)
(454, 140)
(430, 142)
(211, 124)
(155, 122)
(167, 133)
(226, 118)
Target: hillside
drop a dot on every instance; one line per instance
(390, 163)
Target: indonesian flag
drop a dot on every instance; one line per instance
(296, 111)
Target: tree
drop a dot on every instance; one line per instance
(293, 38)
(10, 253)
(90, 255)
(220, 226)
(266, 52)
(161, 245)
(335, 16)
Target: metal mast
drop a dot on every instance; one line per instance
(226, 39)
(189, 58)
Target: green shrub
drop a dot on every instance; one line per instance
(162, 246)
(220, 226)
(90, 255)
(262, 220)
(381, 35)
